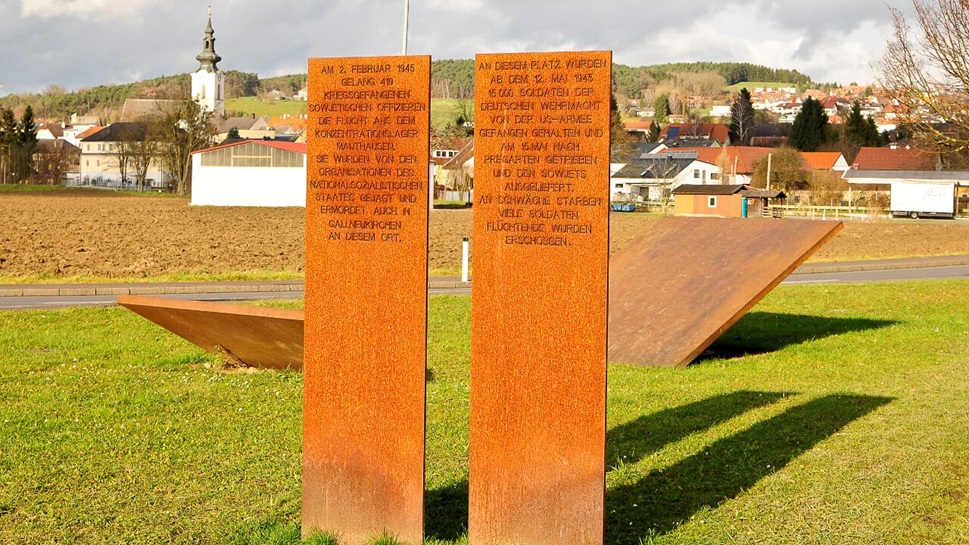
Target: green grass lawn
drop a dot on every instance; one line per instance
(829, 414)
(259, 107)
(29, 188)
(446, 110)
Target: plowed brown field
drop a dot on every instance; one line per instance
(90, 234)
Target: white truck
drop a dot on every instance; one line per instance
(923, 200)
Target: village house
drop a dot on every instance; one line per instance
(651, 177)
(110, 157)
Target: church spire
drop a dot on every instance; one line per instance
(208, 58)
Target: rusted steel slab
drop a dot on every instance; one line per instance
(676, 289)
(538, 325)
(256, 336)
(366, 298)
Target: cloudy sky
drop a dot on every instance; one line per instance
(82, 43)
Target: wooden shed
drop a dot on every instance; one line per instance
(727, 201)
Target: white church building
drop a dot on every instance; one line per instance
(208, 82)
(246, 172)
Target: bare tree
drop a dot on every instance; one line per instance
(827, 187)
(702, 83)
(927, 71)
(54, 158)
(123, 151)
(741, 119)
(183, 127)
(144, 152)
(786, 170)
(663, 169)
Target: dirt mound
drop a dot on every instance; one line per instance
(107, 235)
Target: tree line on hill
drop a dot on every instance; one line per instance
(105, 101)
(450, 78)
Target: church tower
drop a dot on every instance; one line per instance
(208, 82)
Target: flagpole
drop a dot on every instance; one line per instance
(406, 17)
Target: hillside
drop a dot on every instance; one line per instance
(450, 78)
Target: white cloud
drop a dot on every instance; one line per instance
(88, 42)
(455, 5)
(91, 10)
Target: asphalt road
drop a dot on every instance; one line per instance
(889, 275)
(862, 276)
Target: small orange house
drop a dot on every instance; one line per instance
(725, 201)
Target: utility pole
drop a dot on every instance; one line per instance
(406, 17)
(768, 171)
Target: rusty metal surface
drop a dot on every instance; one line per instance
(366, 298)
(257, 336)
(677, 288)
(538, 326)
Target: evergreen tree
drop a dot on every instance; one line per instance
(856, 126)
(8, 142)
(858, 132)
(741, 119)
(654, 131)
(875, 137)
(23, 163)
(661, 108)
(808, 130)
(620, 141)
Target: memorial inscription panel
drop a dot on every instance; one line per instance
(366, 297)
(539, 304)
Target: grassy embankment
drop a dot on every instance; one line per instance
(832, 414)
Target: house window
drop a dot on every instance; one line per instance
(714, 176)
(711, 202)
(696, 173)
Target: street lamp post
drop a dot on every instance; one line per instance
(406, 17)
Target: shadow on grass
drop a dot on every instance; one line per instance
(764, 332)
(666, 498)
(446, 508)
(446, 511)
(630, 442)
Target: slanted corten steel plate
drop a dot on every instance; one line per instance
(677, 288)
(366, 298)
(538, 325)
(257, 336)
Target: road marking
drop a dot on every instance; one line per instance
(797, 281)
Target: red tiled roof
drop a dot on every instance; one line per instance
(295, 122)
(901, 158)
(820, 160)
(637, 125)
(298, 147)
(89, 132)
(743, 156)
